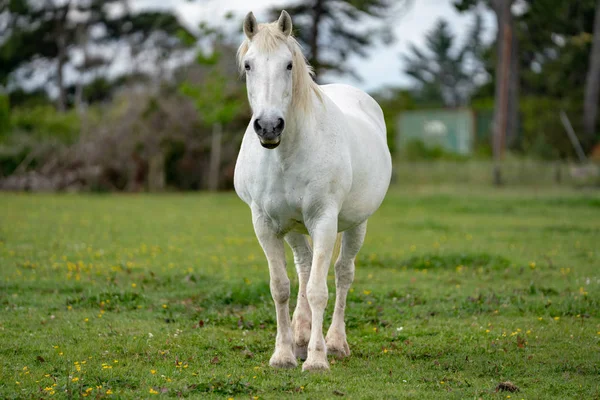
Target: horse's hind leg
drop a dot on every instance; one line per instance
(352, 241)
(302, 316)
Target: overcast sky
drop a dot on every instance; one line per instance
(384, 65)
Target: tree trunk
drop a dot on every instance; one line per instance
(314, 39)
(156, 173)
(82, 41)
(506, 96)
(61, 42)
(590, 107)
(514, 84)
(62, 91)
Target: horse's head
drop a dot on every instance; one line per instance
(268, 59)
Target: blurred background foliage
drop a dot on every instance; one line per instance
(98, 95)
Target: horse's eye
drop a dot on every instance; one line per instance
(289, 67)
(247, 66)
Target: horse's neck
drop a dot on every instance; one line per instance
(301, 134)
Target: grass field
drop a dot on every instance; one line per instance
(457, 289)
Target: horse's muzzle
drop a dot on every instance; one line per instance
(269, 131)
(270, 144)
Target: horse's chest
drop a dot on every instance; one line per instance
(279, 201)
(282, 202)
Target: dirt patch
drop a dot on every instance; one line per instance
(507, 387)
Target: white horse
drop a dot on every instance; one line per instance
(314, 161)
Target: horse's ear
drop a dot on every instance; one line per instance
(250, 25)
(285, 23)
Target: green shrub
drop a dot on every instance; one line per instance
(417, 150)
(13, 153)
(44, 122)
(543, 134)
(4, 116)
(10, 158)
(25, 152)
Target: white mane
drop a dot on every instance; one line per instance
(267, 39)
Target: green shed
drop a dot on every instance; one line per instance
(452, 130)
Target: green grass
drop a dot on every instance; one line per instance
(456, 290)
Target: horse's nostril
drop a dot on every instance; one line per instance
(280, 125)
(257, 126)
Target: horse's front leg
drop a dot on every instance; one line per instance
(323, 233)
(272, 245)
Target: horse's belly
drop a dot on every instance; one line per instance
(371, 174)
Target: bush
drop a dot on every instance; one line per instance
(44, 122)
(543, 134)
(4, 116)
(417, 150)
(11, 157)
(23, 153)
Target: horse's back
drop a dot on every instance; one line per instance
(355, 103)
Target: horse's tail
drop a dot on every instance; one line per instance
(336, 248)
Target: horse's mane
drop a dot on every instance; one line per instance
(267, 39)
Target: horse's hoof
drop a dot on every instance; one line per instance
(337, 347)
(315, 366)
(281, 359)
(316, 363)
(301, 352)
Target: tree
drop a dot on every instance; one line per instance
(506, 110)
(219, 98)
(445, 74)
(555, 43)
(592, 87)
(329, 29)
(42, 39)
(556, 59)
